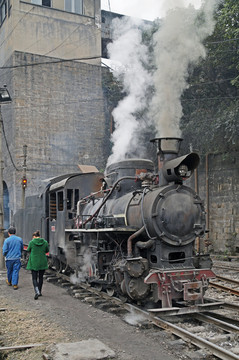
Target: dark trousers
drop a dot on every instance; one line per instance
(37, 280)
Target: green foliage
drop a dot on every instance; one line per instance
(211, 103)
(112, 88)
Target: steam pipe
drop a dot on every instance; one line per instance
(130, 239)
(144, 245)
(107, 197)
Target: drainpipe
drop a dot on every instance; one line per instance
(197, 245)
(207, 198)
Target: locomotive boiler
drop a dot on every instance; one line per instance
(131, 231)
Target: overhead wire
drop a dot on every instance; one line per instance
(6, 38)
(9, 152)
(49, 62)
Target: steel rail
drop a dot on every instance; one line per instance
(226, 305)
(224, 288)
(219, 266)
(216, 350)
(199, 342)
(223, 278)
(219, 323)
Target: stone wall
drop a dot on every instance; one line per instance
(218, 184)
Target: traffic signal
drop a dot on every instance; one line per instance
(24, 182)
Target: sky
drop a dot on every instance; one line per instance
(145, 9)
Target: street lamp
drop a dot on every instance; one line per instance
(4, 98)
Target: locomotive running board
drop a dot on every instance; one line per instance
(119, 229)
(187, 310)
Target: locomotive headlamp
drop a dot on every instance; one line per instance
(183, 171)
(180, 168)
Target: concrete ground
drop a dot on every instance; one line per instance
(57, 318)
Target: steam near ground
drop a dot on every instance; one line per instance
(134, 319)
(154, 74)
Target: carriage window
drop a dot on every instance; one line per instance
(76, 198)
(69, 198)
(60, 201)
(52, 206)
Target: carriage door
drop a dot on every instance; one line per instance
(52, 223)
(56, 222)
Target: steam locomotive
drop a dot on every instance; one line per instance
(130, 232)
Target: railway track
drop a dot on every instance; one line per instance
(212, 327)
(226, 265)
(223, 284)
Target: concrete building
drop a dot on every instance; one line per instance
(50, 60)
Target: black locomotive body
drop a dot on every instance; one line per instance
(130, 232)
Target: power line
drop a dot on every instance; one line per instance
(211, 82)
(16, 26)
(4, 134)
(221, 41)
(49, 62)
(212, 98)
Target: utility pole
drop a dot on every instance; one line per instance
(4, 98)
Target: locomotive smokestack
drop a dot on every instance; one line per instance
(167, 149)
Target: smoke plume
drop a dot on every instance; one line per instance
(127, 48)
(177, 43)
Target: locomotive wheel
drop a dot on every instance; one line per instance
(57, 264)
(64, 267)
(98, 287)
(110, 291)
(50, 262)
(25, 259)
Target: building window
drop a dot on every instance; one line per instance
(75, 6)
(42, 2)
(3, 10)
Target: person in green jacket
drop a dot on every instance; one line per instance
(37, 262)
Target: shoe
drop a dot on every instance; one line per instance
(15, 287)
(8, 283)
(36, 296)
(40, 294)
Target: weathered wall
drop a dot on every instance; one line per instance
(218, 184)
(59, 112)
(52, 32)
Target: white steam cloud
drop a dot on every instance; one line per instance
(176, 45)
(127, 48)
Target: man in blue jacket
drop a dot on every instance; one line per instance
(12, 250)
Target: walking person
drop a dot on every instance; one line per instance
(37, 263)
(12, 250)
